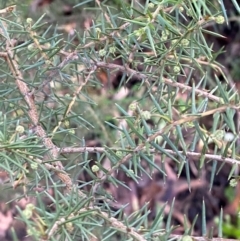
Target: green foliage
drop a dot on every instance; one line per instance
(50, 104)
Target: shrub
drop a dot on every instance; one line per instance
(55, 92)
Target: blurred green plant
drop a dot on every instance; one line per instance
(51, 100)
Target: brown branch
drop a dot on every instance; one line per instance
(180, 237)
(139, 76)
(111, 221)
(208, 156)
(73, 100)
(152, 138)
(33, 116)
(8, 9)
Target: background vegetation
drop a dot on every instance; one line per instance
(119, 120)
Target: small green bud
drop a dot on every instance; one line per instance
(31, 47)
(20, 129)
(66, 123)
(146, 115)
(71, 131)
(233, 182)
(181, 9)
(151, 5)
(69, 227)
(95, 168)
(98, 30)
(133, 106)
(48, 62)
(176, 69)
(112, 49)
(174, 41)
(19, 112)
(139, 32)
(119, 154)
(67, 95)
(34, 166)
(220, 19)
(185, 42)
(219, 134)
(102, 52)
(28, 211)
(29, 20)
(47, 45)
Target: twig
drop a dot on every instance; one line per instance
(33, 115)
(7, 9)
(139, 76)
(151, 138)
(208, 156)
(73, 100)
(179, 237)
(113, 222)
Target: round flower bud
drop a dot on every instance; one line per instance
(47, 45)
(119, 153)
(139, 32)
(95, 168)
(31, 47)
(233, 182)
(66, 123)
(146, 115)
(219, 134)
(71, 131)
(20, 129)
(181, 9)
(98, 30)
(220, 19)
(112, 49)
(176, 69)
(34, 166)
(133, 106)
(185, 42)
(151, 5)
(102, 52)
(28, 211)
(174, 41)
(29, 20)
(69, 226)
(48, 62)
